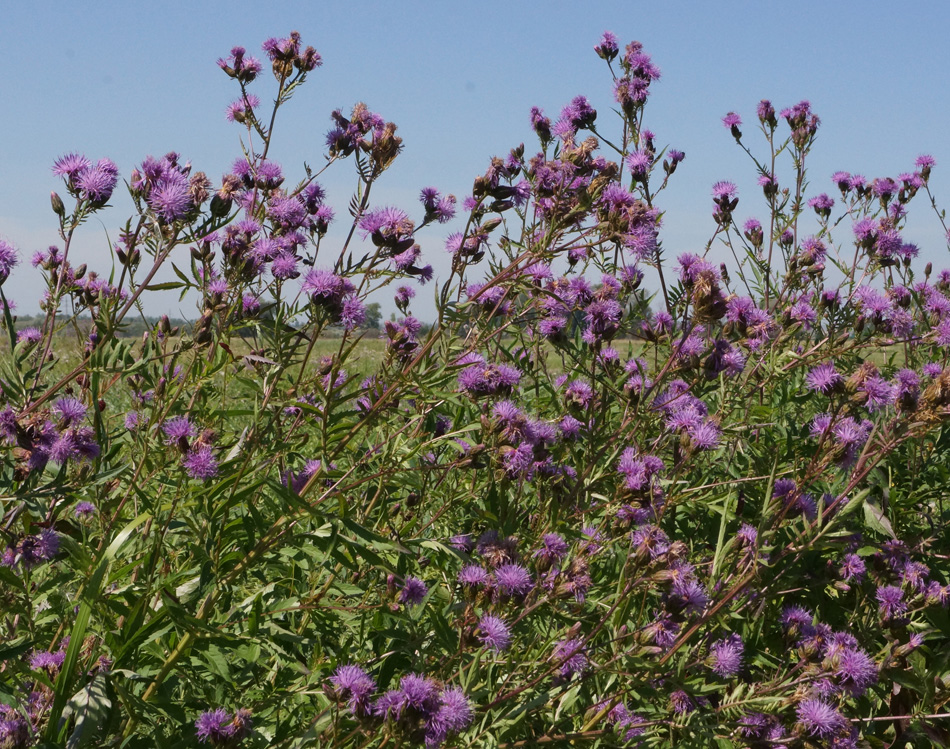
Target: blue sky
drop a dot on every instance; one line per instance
(126, 80)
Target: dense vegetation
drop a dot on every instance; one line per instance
(608, 498)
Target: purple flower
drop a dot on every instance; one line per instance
(454, 715)
(724, 190)
(747, 535)
(238, 110)
(43, 660)
(726, 655)
(416, 693)
(580, 393)
(688, 596)
(84, 510)
(15, 729)
(71, 166)
(571, 657)
(8, 260)
(880, 393)
(29, 336)
(170, 197)
(824, 379)
(176, 429)
(639, 163)
(607, 49)
(682, 703)
(649, 539)
(821, 203)
(473, 576)
(890, 600)
(96, 184)
(488, 379)
(553, 548)
(214, 727)
(355, 685)
(855, 670)
(704, 436)
(413, 591)
(493, 633)
(852, 568)
(796, 620)
(731, 120)
(200, 463)
(513, 580)
(819, 718)
(70, 411)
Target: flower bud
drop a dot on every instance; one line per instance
(57, 202)
(220, 207)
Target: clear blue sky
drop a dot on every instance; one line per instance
(126, 79)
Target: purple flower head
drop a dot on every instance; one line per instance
(766, 112)
(651, 540)
(284, 266)
(177, 428)
(43, 660)
(70, 411)
(413, 591)
(580, 393)
(513, 580)
(639, 163)
(796, 620)
(200, 463)
(747, 535)
(852, 568)
(819, 718)
(855, 670)
(84, 510)
(96, 184)
(454, 715)
(473, 576)
(493, 633)
(218, 728)
(571, 657)
(688, 595)
(880, 393)
(723, 191)
(416, 694)
(245, 69)
(726, 655)
(824, 379)
(488, 379)
(821, 203)
(607, 48)
(553, 548)
(353, 684)
(579, 113)
(731, 120)
(681, 702)
(8, 260)
(29, 336)
(70, 167)
(704, 436)
(891, 604)
(170, 196)
(238, 111)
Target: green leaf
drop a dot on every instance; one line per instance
(90, 706)
(56, 728)
(876, 519)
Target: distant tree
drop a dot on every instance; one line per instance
(374, 315)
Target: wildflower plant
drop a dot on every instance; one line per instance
(609, 497)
